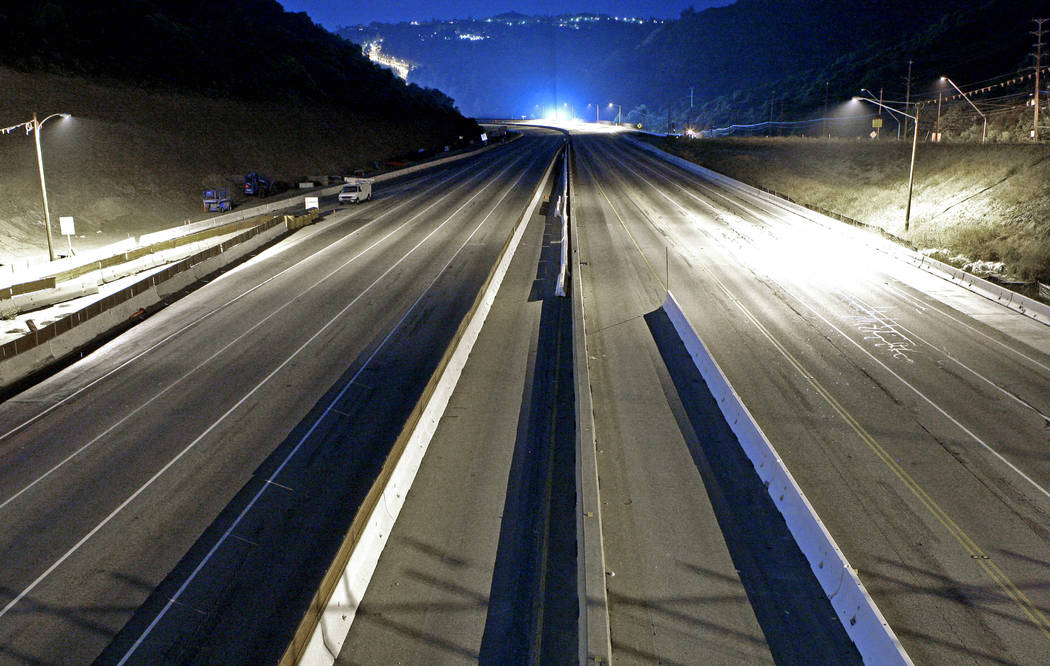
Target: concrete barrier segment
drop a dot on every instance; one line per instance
(860, 617)
(90, 322)
(594, 634)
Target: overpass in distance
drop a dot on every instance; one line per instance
(178, 495)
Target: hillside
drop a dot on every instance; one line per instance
(722, 65)
(193, 95)
(510, 65)
(131, 161)
(990, 218)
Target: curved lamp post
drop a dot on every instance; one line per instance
(34, 126)
(984, 132)
(914, 145)
(893, 112)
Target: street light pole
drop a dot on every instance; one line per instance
(911, 169)
(914, 147)
(984, 132)
(43, 188)
(34, 126)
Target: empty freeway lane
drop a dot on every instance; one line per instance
(122, 473)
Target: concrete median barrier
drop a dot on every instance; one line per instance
(862, 620)
(320, 636)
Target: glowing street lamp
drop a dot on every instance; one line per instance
(34, 126)
(619, 111)
(984, 132)
(914, 145)
(871, 98)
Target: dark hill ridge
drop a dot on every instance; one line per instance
(733, 57)
(250, 49)
(171, 98)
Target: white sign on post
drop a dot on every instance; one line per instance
(65, 225)
(312, 202)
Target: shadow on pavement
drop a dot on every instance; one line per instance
(796, 617)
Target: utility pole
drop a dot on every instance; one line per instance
(824, 116)
(1038, 66)
(907, 101)
(937, 132)
(690, 97)
(878, 130)
(772, 97)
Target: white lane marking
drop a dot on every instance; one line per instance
(944, 353)
(689, 216)
(331, 407)
(105, 521)
(230, 302)
(235, 340)
(923, 305)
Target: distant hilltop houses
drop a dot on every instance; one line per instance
(478, 31)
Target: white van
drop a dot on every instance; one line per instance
(356, 190)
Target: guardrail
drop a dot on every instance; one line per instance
(47, 275)
(860, 617)
(40, 348)
(320, 635)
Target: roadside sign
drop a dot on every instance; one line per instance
(65, 225)
(876, 123)
(484, 136)
(312, 202)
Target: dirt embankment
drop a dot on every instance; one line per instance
(130, 161)
(985, 206)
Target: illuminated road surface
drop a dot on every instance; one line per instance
(917, 429)
(119, 474)
(915, 426)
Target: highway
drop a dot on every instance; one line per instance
(916, 426)
(175, 496)
(185, 485)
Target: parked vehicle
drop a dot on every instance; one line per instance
(356, 190)
(217, 200)
(257, 186)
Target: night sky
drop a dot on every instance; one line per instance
(334, 13)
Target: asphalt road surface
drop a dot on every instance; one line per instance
(175, 496)
(186, 484)
(469, 559)
(913, 414)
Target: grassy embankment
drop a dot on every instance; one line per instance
(984, 207)
(132, 161)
